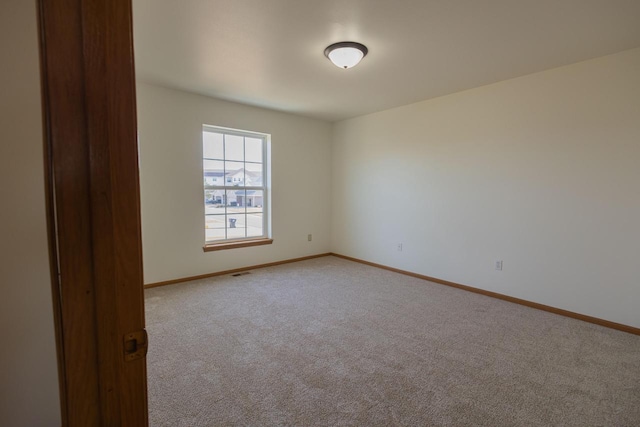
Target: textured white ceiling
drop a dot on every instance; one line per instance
(269, 53)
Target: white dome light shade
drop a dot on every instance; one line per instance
(346, 54)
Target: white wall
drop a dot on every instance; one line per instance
(28, 370)
(541, 171)
(170, 137)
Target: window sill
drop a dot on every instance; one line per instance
(238, 244)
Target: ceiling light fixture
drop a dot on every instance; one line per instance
(346, 54)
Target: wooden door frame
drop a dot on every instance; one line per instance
(93, 207)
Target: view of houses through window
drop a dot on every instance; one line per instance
(234, 169)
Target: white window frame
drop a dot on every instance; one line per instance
(265, 238)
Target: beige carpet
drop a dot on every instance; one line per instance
(329, 342)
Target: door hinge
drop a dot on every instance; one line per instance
(135, 345)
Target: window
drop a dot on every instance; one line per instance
(235, 188)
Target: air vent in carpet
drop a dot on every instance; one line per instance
(242, 273)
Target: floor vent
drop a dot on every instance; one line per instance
(242, 273)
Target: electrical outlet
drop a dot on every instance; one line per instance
(399, 247)
(499, 265)
(309, 237)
